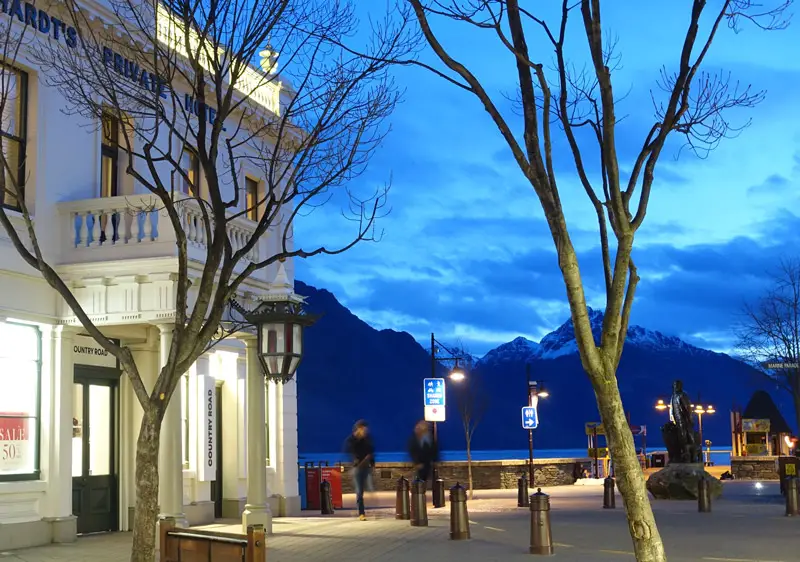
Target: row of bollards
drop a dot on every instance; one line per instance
(411, 505)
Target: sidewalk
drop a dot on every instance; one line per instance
(748, 527)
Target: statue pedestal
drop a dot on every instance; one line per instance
(678, 481)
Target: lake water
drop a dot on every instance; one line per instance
(719, 455)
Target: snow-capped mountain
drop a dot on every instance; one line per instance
(562, 342)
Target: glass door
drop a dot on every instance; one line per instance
(94, 482)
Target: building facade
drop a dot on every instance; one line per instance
(69, 419)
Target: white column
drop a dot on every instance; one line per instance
(59, 453)
(170, 459)
(256, 510)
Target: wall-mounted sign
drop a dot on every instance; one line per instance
(207, 428)
(86, 351)
(16, 448)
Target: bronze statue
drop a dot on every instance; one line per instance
(679, 435)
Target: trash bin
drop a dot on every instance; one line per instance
(313, 481)
(333, 475)
(301, 486)
(658, 460)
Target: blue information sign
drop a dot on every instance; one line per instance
(530, 418)
(434, 392)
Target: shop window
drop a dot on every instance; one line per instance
(190, 165)
(185, 419)
(251, 198)
(20, 373)
(13, 89)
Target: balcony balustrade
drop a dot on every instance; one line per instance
(137, 226)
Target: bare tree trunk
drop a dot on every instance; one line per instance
(146, 514)
(469, 469)
(647, 543)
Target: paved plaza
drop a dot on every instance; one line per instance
(747, 525)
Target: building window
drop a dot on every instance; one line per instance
(14, 89)
(251, 198)
(20, 373)
(190, 165)
(185, 419)
(109, 166)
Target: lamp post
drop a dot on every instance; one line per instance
(278, 321)
(456, 375)
(700, 410)
(535, 390)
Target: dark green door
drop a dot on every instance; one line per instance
(94, 474)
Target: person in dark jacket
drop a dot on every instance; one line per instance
(359, 446)
(424, 452)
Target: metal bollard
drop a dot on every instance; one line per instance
(325, 498)
(438, 493)
(419, 509)
(791, 497)
(609, 497)
(402, 507)
(541, 534)
(703, 496)
(522, 492)
(459, 519)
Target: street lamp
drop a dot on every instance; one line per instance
(535, 390)
(456, 375)
(661, 406)
(701, 409)
(279, 321)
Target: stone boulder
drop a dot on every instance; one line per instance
(679, 482)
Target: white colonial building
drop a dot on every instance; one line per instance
(68, 417)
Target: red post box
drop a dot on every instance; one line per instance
(312, 488)
(332, 474)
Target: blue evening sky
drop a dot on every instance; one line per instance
(466, 253)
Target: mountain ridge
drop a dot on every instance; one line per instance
(352, 371)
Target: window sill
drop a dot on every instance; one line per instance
(23, 487)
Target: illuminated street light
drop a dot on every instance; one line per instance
(660, 405)
(457, 373)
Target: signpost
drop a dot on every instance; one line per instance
(434, 396)
(530, 418)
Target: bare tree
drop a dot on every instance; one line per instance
(167, 79)
(769, 332)
(583, 107)
(472, 402)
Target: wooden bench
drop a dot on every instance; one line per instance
(195, 545)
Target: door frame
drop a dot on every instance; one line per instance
(217, 495)
(104, 376)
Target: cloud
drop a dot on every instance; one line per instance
(773, 185)
(467, 252)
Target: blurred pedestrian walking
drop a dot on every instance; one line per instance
(361, 449)
(423, 450)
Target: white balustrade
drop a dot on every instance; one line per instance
(140, 220)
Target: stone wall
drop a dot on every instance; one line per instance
(755, 468)
(486, 475)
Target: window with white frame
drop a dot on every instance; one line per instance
(20, 377)
(185, 420)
